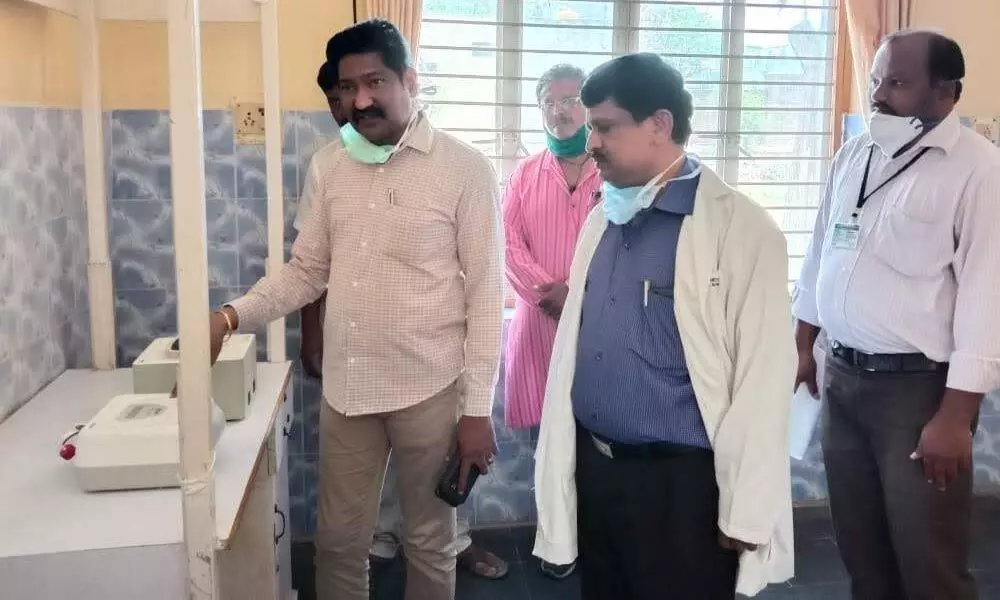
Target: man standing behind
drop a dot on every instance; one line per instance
(409, 242)
(548, 199)
(311, 351)
(666, 412)
(903, 274)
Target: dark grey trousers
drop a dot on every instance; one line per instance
(900, 538)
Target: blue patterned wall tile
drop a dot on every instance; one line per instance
(252, 239)
(295, 437)
(220, 154)
(142, 249)
(289, 145)
(251, 173)
(140, 155)
(223, 267)
(986, 452)
(218, 128)
(312, 399)
(63, 299)
(303, 475)
(74, 338)
(41, 199)
(221, 215)
(314, 130)
(991, 405)
(219, 296)
(142, 316)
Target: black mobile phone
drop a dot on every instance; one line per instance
(447, 487)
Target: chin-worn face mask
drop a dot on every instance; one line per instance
(362, 150)
(894, 134)
(621, 205)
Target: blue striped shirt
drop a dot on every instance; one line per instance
(632, 384)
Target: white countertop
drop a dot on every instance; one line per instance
(43, 510)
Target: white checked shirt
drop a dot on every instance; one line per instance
(412, 254)
(925, 276)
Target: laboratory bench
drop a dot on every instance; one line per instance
(57, 541)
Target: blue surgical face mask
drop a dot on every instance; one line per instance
(621, 205)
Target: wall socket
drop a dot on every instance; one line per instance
(248, 122)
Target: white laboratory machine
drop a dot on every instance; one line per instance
(132, 443)
(234, 376)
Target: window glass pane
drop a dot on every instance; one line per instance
(760, 76)
(696, 49)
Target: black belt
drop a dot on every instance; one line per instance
(614, 450)
(886, 363)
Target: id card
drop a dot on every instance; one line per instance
(845, 236)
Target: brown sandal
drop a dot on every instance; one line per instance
(482, 563)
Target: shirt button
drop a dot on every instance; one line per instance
(364, 244)
(612, 300)
(628, 246)
(350, 361)
(354, 284)
(600, 356)
(372, 205)
(381, 169)
(353, 324)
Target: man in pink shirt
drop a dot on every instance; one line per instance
(548, 199)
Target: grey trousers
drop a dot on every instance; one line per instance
(899, 537)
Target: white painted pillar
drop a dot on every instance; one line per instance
(194, 381)
(272, 150)
(102, 303)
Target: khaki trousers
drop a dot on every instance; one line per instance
(354, 452)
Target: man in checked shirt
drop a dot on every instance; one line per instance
(406, 236)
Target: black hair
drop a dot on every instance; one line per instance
(558, 73)
(945, 61)
(326, 79)
(373, 36)
(642, 84)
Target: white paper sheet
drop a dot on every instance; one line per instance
(802, 422)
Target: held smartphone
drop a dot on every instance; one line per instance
(447, 487)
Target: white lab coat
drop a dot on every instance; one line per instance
(733, 313)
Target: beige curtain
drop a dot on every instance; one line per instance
(868, 21)
(405, 14)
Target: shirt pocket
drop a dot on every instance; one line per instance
(912, 243)
(416, 234)
(654, 336)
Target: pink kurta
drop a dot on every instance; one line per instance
(542, 221)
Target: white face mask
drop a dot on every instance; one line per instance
(892, 133)
(622, 204)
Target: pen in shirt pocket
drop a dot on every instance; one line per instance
(392, 197)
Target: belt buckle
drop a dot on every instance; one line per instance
(602, 447)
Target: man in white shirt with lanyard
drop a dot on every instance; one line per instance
(903, 275)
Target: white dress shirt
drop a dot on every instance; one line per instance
(925, 274)
(321, 163)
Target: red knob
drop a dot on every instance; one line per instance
(67, 452)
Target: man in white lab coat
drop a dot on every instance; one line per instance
(663, 458)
